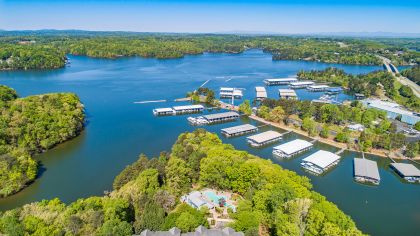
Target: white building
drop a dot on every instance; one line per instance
(393, 110)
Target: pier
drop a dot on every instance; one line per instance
(366, 171)
(280, 81)
(292, 148)
(340, 151)
(239, 130)
(320, 161)
(264, 138)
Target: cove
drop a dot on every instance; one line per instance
(118, 130)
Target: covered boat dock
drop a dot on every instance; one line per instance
(280, 81)
(407, 171)
(188, 109)
(301, 84)
(230, 92)
(318, 88)
(264, 138)
(221, 117)
(292, 148)
(366, 171)
(287, 94)
(320, 161)
(261, 93)
(239, 130)
(163, 111)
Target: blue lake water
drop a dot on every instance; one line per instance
(118, 130)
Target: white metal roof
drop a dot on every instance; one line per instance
(302, 83)
(318, 86)
(287, 92)
(406, 169)
(188, 107)
(226, 89)
(281, 79)
(221, 115)
(260, 89)
(167, 109)
(239, 128)
(322, 158)
(366, 168)
(261, 94)
(293, 146)
(265, 136)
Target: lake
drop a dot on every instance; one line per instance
(118, 130)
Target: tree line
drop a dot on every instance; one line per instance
(273, 201)
(29, 126)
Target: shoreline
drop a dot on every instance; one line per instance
(376, 152)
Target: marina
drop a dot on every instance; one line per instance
(292, 148)
(300, 84)
(280, 81)
(318, 88)
(239, 130)
(287, 94)
(366, 171)
(407, 171)
(320, 162)
(263, 139)
(261, 93)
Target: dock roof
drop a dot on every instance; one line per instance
(166, 109)
(188, 107)
(226, 89)
(293, 146)
(318, 86)
(406, 170)
(322, 158)
(287, 93)
(302, 83)
(366, 168)
(281, 79)
(221, 115)
(265, 136)
(238, 129)
(260, 89)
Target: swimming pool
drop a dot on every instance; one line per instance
(215, 199)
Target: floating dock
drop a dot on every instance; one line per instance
(407, 171)
(230, 92)
(221, 117)
(264, 138)
(239, 130)
(188, 109)
(317, 88)
(366, 171)
(287, 94)
(334, 90)
(280, 81)
(300, 84)
(261, 93)
(292, 148)
(163, 111)
(320, 161)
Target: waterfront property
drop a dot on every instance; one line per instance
(230, 92)
(195, 199)
(163, 111)
(239, 130)
(292, 148)
(280, 81)
(199, 231)
(317, 88)
(320, 161)
(393, 110)
(221, 117)
(261, 93)
(287, 94)
(264, 138)
(188, 109)
(407, 171)
(366, 171)
(300, 84)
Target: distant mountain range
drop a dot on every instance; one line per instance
(238, 32)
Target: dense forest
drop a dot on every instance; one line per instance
(29, 126)
(273, 201)
(376, 83)
(35, 50)
(330, 121)
(413, 74)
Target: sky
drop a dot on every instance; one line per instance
(193, 16)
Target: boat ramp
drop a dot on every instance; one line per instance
(292, 148)
(239, 130)
(264, 138)
(320, 161)
(366, 171)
